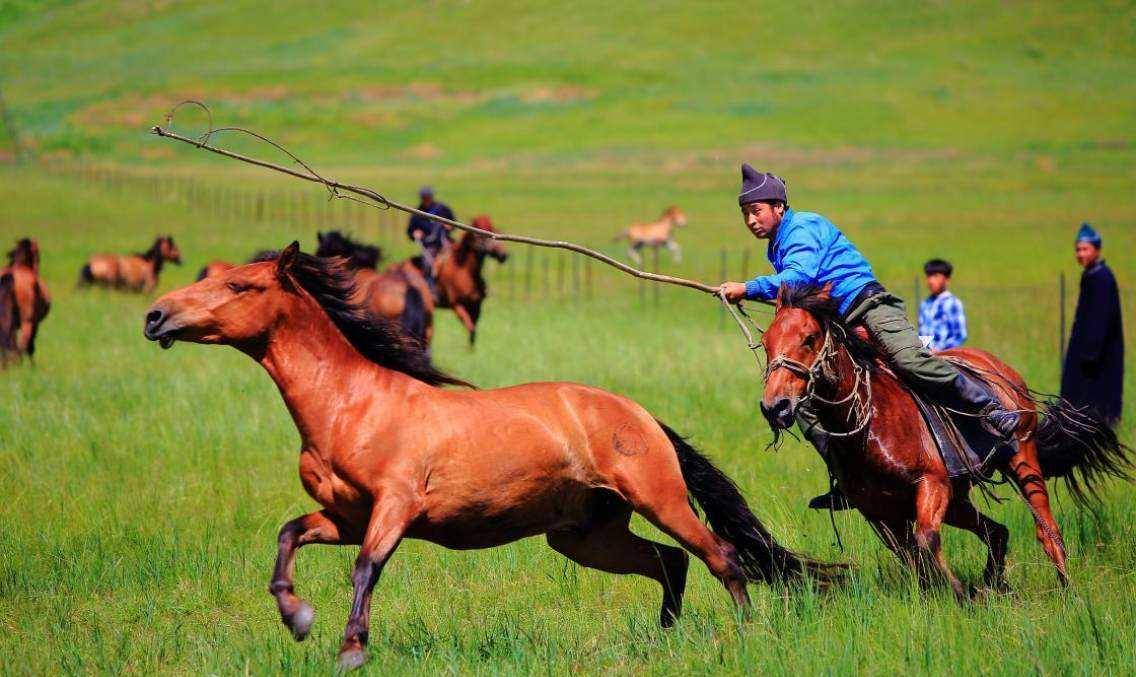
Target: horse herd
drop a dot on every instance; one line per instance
(388, 453)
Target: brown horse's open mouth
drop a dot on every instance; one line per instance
(166, 342)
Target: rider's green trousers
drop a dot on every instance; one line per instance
(885, 318)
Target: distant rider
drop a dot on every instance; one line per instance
(806, 248)
(432, 236)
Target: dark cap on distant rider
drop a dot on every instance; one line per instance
(425, 191)
(761, 187)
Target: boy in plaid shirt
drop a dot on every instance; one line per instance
(941, 315)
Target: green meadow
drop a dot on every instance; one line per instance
(143, 489)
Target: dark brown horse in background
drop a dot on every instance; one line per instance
(567, 461)
(885, 459)
(24, 300)
(398, 294)
(134, 272)
(460, 284)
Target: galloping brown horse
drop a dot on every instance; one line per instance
(136, 272)
(460, 284)
(886, 461)
(24, 300)
(565, 460)
(659, 233)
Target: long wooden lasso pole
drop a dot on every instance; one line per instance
(375, 199)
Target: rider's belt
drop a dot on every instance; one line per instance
(869, 290)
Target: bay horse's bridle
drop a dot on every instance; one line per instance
(823, 370)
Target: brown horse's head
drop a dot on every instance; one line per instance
(675, 215)
(483, 245)
(793, 343)
(164, 249)
(243, 306)
(236, 306)
(26, 252)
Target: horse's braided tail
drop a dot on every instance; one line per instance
(761, 557)
(1075, 444)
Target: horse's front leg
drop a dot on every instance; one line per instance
(467, 321)
(315, 527)
(389, 521)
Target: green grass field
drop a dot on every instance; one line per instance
(143, 489)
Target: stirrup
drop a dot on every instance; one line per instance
(834, 500)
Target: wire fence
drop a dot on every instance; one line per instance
(536, 274)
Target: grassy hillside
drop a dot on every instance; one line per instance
(144, 488)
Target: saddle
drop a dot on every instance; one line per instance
(966, 447)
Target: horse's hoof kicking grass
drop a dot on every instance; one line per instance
(301, 621)
(351, 659)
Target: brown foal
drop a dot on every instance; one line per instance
(885, 459)
(460, 284)
(389, 455)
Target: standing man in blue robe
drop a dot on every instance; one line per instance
(1093, 376)
(806, 248)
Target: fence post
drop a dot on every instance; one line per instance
(655, 264)
(722, 278)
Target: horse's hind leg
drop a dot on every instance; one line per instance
(610, 546)
(1026, 474)
(931, 501)
(898, 536)
(676, 251)
(316, 527)
(964, 515)
(633, 253)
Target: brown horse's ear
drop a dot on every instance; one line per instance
(287, 259)
(782, 292)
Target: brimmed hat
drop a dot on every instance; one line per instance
(761, 186)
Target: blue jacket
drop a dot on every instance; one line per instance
(808, 249)
(433, 233)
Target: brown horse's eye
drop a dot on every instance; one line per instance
(810, 341)
(237, 287)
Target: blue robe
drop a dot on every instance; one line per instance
(1093, 375)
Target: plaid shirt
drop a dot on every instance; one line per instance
(942, 318)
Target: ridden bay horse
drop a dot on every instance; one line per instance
(884, 457)
(398, 293)
(460, 284)
(135, 272)
(24, 300)
(656, 234)
(568, 461)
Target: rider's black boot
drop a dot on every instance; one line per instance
(974, 397)
(835, 498)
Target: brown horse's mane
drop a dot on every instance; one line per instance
(381, 341)
(815, 299)
(23, 253)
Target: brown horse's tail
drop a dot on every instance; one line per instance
(761, 557)
(623, 235)
(1075, 444)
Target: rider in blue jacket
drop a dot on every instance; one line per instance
(806, 248)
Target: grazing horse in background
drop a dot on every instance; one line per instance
(656, 234)
(358, 255)
(564, 460)
(887, 462)
(396, 294)
(24, 300)
(136, 272)
(459, 282)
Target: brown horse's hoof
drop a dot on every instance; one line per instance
(300, 623)
(349, 659)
